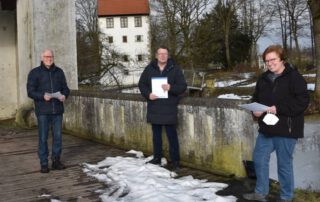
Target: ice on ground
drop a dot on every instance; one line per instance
(131, 179)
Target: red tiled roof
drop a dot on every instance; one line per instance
(123, 7)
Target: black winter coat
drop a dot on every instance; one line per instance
(42, 80)
(163, 111)
(290, 96)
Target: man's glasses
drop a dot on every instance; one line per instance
(271, 60)
(45, 56)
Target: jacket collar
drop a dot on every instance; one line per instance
(168, 67)
(52, 67)
(288, 68)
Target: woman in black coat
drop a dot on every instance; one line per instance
(284, 90)
(163, 111)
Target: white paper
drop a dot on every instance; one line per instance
(156, 83)
(255, 107)
(55, 95)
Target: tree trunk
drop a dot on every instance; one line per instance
(227, 47)
(253, 55)
(298, 52)
(315, 11)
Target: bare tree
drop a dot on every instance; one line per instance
(283, 18)
(88, 43)
(87, 15)
(227, 8)
(256, 17)
(315, 12)
(177, 20)
(295, 13)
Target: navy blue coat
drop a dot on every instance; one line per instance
(290, 96)
(163, 111)
(42, 80)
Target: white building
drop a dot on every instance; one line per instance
(126, 26)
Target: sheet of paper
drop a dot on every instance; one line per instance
(255, 107)
(156, 83)
(54, 95)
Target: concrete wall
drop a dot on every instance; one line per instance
(215, 135)
(25, 33)
(8, 67)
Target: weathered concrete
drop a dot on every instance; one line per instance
(8, 71)
(214, 134)
(45, 24)
(25, 33)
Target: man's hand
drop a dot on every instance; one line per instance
(47, 97)
(166, 87)
(152, 96)
(62, 98)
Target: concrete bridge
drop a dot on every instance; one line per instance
(21, 181)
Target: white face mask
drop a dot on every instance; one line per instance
(270, 119)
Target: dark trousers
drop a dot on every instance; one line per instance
(172, 139)
(44, 123)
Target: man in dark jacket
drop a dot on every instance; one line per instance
(284, 90)
(48, 88)
(163, 111)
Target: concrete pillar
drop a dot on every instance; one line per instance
(45, 24)
(8, 66)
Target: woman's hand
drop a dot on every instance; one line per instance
(257, 114)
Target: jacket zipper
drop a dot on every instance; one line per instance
(289, 124)
(53, 111)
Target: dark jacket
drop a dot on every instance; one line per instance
(163, 111)
(290, 96)
(42, 80)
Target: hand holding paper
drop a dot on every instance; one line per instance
(157, 89)
(255, 107)
(56, 95)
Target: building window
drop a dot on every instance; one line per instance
(138, 38)
(124, 39)
(110, 39)
(109, 22)
(138, 21)
(139, 57)
(125, 58)
(125, 71)
(124, 22)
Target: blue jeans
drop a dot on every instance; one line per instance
(284, 148)
(44, 122)
(172, 139)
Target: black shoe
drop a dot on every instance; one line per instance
(175, 166)
(44, 169)
(155, 161)
(57, 165)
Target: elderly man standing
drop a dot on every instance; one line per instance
(48, 88)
